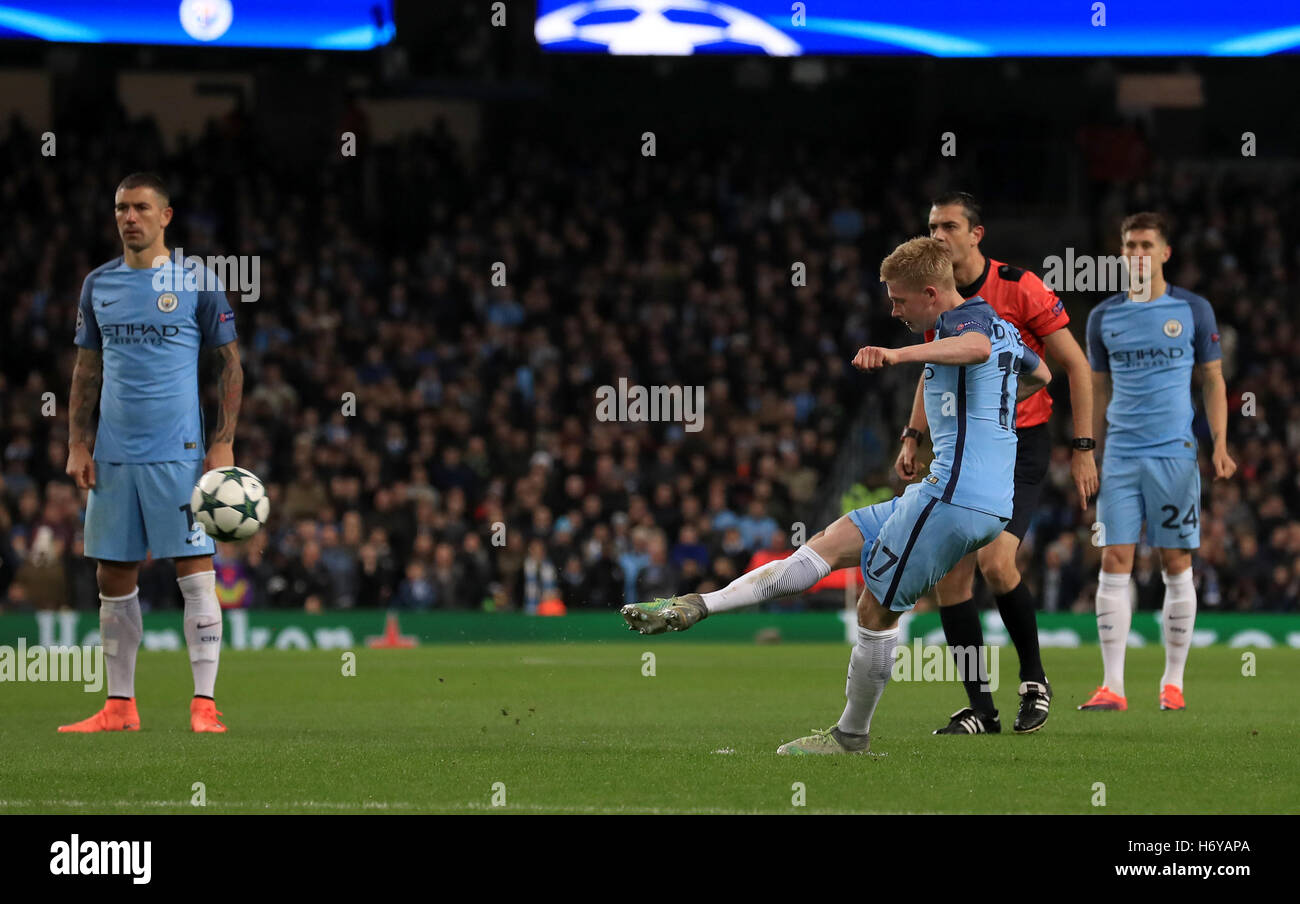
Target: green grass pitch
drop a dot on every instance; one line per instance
(578, 728)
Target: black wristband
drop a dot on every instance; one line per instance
(1083, 443)
(911, 433)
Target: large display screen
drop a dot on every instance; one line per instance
(941, 28)
(320, 24)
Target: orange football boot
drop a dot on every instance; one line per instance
(117, 715)
(1104, 698)
(203, 715)
(1171, 697)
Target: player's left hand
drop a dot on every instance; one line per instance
(871, 357)
(1224, 466)
(220, 455)
(1083, 468)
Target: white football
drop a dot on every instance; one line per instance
(230, 504)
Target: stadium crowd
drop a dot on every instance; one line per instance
(429, 437)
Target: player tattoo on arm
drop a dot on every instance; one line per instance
(230, 381)
(87, 378)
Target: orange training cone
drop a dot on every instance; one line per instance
(392, 638)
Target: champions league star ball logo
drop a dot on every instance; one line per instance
(660, 28)
(206, 20)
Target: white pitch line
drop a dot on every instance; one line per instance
(241, 805)
(404, 805)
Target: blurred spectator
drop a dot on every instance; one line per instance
(689, 548)
(376, 576)
(659, 577)
(1148, 578)
(476, 568)
(341, 563)
(1061, 574)
(305, 497)
(448, 579)
(757, 526)
(573, 582)
(309, 584)
(416, 590)
(538, 577)
(604, 578)
(633, 560)
(157, 585)
(42, 580)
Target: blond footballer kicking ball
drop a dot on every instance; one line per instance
(230, 504)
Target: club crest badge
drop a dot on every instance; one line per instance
(167, 302)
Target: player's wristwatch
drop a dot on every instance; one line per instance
(910, 433)
(1083, 443)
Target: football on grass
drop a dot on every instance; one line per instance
(230, 504)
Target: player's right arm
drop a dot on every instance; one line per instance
(87, 379)
(965, 349)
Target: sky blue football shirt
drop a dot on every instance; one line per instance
(149, 407)
(972, 413)
(1150, 348)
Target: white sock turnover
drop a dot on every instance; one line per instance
(793, 574)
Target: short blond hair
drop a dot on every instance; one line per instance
(918, 263)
